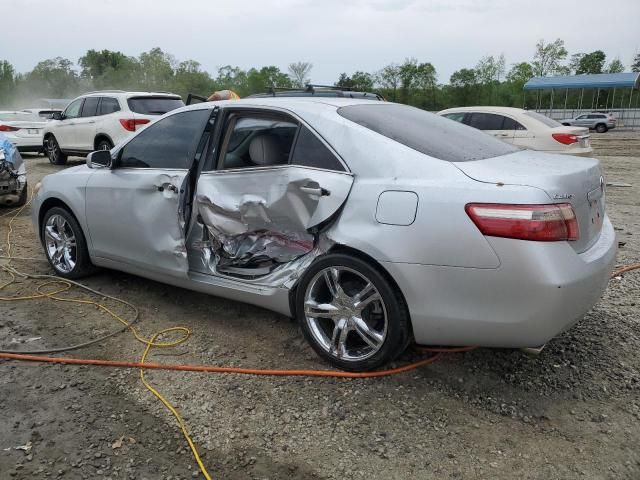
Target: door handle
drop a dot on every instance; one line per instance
(318, 191)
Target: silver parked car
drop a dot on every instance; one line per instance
(600, 122)
(372, 223)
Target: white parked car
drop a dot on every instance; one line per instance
(24, 129)
(100, 120)
(524, 128)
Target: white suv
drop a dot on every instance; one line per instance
(100, 120)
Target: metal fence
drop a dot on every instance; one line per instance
(627, 117)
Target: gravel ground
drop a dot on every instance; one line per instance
(572, 412)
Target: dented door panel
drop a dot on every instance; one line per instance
(259, 219)
(135, 216)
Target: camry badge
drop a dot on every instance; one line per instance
(563, 196)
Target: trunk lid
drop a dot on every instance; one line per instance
(566, 179)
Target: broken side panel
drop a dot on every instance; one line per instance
(259, 219)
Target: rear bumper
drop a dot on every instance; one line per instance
(539, 290)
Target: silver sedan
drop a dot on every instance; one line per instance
(374, 224)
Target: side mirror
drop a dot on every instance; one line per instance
(99, 159)
(57, 116)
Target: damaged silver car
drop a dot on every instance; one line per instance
(373, 224)
(13, 175)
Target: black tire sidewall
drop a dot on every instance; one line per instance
(106, 142)
(398, 327)
(61, 158)
(600, 128)
(83, 263)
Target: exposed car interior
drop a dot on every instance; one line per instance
(256, 142)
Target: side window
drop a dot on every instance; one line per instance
(257, 141)
(511, 124)
(581, 117)
(486, 121)
(457, 117)
(168, 143)
(90, 107)
(311, 152)
(108, 105)
(73, 110)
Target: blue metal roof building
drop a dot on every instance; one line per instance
(599, 80)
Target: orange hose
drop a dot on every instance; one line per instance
(213, 369)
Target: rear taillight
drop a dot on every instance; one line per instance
(8, 128)
(130, 124)
(543, 223)
(565, 138)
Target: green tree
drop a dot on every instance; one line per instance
(265, 78)
(389, 79)
(232, 78)
(156, 69)
(548, 57)
(463, 83)
(425, 82)
(109, 69)
(190, 78)
(7, 82)
(588, 62)
(615, 66)
(635, 66)
(54, 77)
(520, 73)
(408, 72)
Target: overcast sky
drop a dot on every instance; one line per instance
(335, 35)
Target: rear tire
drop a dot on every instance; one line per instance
(54, 152)
(351, 314)
(601, 128)
(64, 244)
(104, 144)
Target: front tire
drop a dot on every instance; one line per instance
(351, 315)
(54, 152)
(64, 244)
(601, 128)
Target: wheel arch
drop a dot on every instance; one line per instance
(340, 248)
(101, 136)
(45, 137)
(50, 203)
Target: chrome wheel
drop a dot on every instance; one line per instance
(345, 313)
(60, 243)
(52, 150)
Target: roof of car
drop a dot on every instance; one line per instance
(291, 103)
(101, 93)
(485, 108)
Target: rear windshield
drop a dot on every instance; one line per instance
(549, 122)
(154, 105)
(426, 132)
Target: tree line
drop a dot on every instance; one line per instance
(412, 81)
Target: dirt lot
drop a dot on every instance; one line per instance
(572, 412)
